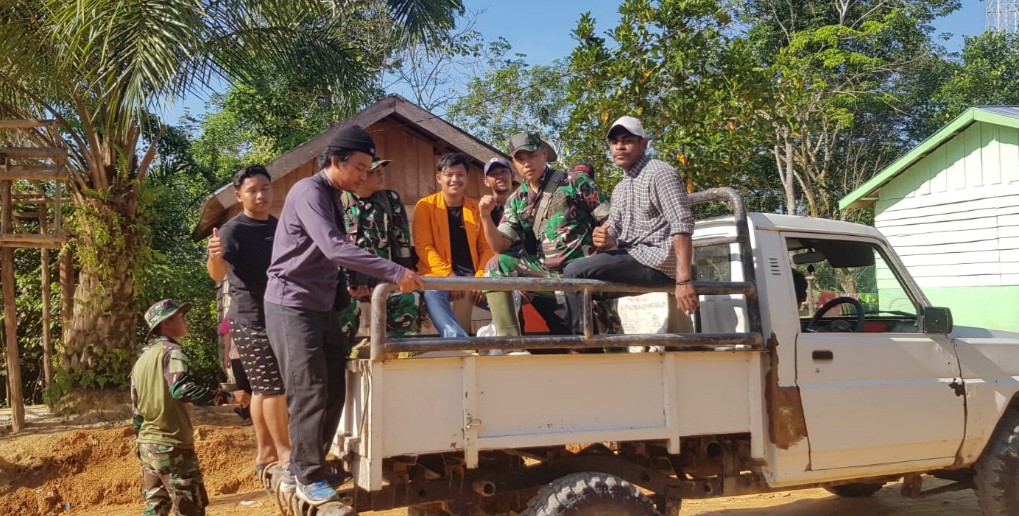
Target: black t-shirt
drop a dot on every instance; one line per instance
(463, 265)
(247, 247)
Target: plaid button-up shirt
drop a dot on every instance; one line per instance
(649, 206)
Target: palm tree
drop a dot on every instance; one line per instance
(100, 67)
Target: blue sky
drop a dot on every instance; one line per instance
(541, 29)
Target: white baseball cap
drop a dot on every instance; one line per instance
(630, 124)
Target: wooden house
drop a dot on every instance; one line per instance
(950, 207)
(412, 137)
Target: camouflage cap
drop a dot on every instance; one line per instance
(531, 141)
(380, 163)
(162, 311)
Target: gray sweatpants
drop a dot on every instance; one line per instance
(312, 357)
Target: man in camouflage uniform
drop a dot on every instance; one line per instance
(161, 387)
(375, 220)
(560, 211)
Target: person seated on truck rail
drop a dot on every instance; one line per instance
(374, 220)
(647, 237)
(450, 242)
(560, 211)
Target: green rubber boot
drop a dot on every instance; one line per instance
(504, 314)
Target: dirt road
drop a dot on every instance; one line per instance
(87, 467)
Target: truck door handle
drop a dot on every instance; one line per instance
(822, 354)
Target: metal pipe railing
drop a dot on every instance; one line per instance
(747, 288)
(381, 344)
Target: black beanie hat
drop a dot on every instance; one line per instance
(353, 138)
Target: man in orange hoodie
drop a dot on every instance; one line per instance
(450, 242)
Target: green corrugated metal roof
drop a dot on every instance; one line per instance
(863, 196)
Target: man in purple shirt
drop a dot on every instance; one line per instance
(301, 299)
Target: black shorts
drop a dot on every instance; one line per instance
(257, 358)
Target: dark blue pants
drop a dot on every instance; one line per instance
(616, 266)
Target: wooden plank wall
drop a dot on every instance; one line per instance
(953, 216)
(411, 174)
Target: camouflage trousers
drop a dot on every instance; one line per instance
(522, 265)
(171, 480)
(404, 316)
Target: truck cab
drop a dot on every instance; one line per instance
(861, 383)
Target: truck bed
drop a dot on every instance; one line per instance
(473, 403)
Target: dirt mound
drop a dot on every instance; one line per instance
(48, 474)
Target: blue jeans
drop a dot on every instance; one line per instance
(437, 302)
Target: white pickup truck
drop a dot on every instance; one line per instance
(870, 384)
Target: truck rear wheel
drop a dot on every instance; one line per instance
(590, 494)
(855, 490)
(997, 471)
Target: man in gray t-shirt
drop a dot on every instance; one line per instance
(301, 298)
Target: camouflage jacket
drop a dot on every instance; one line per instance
(561, 216)
(378, 224)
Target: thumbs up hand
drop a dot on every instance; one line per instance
(215, 246)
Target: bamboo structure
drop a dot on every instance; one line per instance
(39, 173)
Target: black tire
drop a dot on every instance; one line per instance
(997, 470)
(590, 494)
(855, 490)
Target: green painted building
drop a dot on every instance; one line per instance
(950, 208)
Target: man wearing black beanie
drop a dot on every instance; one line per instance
(301, 298)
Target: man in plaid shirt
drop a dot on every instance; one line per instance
(646, 239)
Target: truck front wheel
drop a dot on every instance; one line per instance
(997, 471)
(590, 494)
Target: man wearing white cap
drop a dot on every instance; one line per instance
(646, 239)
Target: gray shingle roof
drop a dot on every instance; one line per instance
(1012, 111)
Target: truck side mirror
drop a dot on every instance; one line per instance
(936, 319)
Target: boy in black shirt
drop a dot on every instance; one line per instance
(241, 251)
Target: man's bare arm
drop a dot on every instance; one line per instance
(686, 298)
(496, 240)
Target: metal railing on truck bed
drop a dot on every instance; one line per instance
(750, 340)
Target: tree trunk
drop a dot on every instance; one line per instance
(102, 332)
(15, 396)
(47, 342)
(787, 180)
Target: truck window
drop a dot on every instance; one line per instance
(836, 270)
(713, 263)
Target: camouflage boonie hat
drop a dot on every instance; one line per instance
(162, 311)
(531, 141)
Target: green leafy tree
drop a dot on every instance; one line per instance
(512, 96)
(837, 101)
(677, 66)
(171, 202)
(988, 74)
(99, 66)
(434, 70)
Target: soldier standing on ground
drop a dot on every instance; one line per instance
(161, 388)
